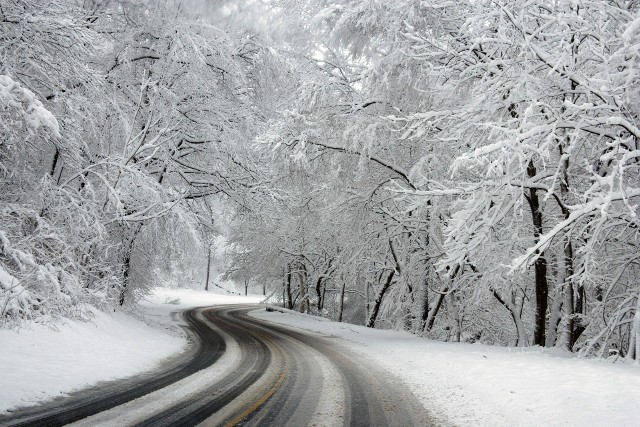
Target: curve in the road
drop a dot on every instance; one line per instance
(278, 384)
(256, 358)
(283, 377)
(208, 348)
(371, 397)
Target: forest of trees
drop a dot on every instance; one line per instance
(464, 170)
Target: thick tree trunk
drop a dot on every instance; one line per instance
(540, 266)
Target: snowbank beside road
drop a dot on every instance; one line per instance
(40, 363)
(479, 385)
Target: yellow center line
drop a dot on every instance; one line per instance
(272, 389)
(258, 403)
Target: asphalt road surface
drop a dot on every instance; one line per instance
(242, 371)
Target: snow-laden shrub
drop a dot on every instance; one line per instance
(39, 277)
(27, 111)
(47, 271)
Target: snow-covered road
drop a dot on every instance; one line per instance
(459, 384)
(263, 374)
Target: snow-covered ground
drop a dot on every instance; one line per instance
(464, 384)
(480, 385)
(42, 362)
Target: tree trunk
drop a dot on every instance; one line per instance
(634, 339)
(513, 311)
(383, 290)
(206, 284)
(456, 316)
(287, 284)
(324, 295)
(371, 321)
(126, 262)
(319, 294)
(433, 312)
(125, 277)
(341, 305)
(304, 292)
(424, 309)
(540, 266)
(366, 299)
(554, 317)
(567, 296)
(321, 286)
(570, 334)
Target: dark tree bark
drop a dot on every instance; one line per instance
(424, 309)
(540, 266)
(371, 321)
(385, 287)
(287, 283)
(54, 163)
(433, 312)
(341, 307)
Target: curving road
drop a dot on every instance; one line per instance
(242, 372)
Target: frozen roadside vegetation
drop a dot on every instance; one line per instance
(480, 385)
(43, 362)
